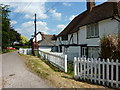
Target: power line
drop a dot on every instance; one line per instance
(20, 14)
(51, 8)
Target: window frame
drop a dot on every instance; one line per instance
(92, 30)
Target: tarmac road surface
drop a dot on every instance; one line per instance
(15, 74)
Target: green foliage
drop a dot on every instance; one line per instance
(7, 51)
(14, 36)
(23, 40)
(26, 46)
(70, 68)
(5, 25)
(110, 47)
(29, 43)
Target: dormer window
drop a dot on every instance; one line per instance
(93, 31)
(65, 37)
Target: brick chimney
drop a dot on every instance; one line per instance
(90, 4)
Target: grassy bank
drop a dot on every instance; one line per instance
(7, 51)
(54, 76)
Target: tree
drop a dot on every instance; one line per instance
(8, 34)
(23, 40)
(5, 25)
(30, 42)
(14, 36)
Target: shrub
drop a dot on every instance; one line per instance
(110, 47)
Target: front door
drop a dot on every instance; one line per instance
(84, 52)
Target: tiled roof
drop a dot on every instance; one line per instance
(98, 13)
(47, 41)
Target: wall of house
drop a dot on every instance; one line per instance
(82, 35)
(106, 27)
(75, 38)
(119, 28)
(39, 37)
(57, 42)
(72, 51)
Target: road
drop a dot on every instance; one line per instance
(0, 71)
(15, 74)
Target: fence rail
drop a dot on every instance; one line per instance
(56, 59)
(105, 72)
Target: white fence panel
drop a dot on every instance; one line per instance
(57, 59)
(25, 51)
(98, 71)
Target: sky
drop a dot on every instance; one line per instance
(52, 17)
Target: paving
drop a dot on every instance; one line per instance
(15, 74)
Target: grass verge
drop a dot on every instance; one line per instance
(8, 51)
(53, 75)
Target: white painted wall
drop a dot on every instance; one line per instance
(75, 38)
(39, 37)
(106, 27)
(48, 49)
(57, 42)
(73, 51)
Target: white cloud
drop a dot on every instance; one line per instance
(56, 14)
(29, 9)
(27, 28)
(66, 4)
(72, 17)
(61, 26)
(13, 22)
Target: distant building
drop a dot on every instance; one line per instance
(46, 42)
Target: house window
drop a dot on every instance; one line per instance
(93, 52)
(93, 31)
(65, 37)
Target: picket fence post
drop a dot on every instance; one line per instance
(112, 72)
(107, 72)
(65, 63)
(117, 74)
(75, 67)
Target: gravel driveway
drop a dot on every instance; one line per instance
(15, 74)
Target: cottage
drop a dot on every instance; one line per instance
(46, 42)
(82, 35)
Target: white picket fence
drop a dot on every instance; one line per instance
(57, 59)
(98, 71)
(25, 51)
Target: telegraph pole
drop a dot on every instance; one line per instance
(34, 36)
(35, 29)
